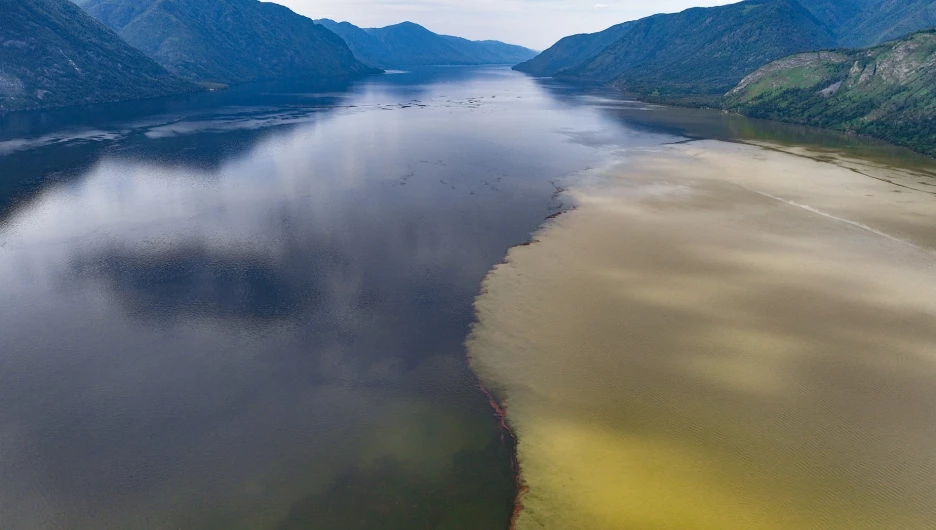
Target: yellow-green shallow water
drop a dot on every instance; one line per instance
(722, 337)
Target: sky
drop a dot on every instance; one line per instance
(533, 23)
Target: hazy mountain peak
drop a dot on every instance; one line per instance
(409, 44)
(405, 25)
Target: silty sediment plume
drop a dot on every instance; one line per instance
(722, 337)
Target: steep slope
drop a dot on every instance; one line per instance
(858, 23)
(409, 44)
(53, 54)
(888, 91)
(838, 13)
(572, 51)
(228, 41)
(366, 47)
(888, 19)
(703, 51)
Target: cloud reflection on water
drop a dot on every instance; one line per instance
(230, 323)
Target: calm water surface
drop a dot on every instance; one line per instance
(247, 309)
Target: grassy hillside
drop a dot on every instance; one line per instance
(228, 41)
(703, 51)
(409, 44)
(888, 91)
(53, 54)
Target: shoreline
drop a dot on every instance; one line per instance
(675, 103)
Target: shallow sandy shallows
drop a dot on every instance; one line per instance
(722, 337)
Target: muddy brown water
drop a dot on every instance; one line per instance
(722, 336)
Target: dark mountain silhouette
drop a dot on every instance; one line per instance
(703, 51)
(706, 51)
(52, 54)
(228, 41)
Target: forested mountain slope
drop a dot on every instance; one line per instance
(572, 51)
(703, 50)
(888, 91)
(228, 41)
(53, 54)
(858, 23)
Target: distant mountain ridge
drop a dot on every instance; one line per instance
(572, 51)
(706, 51)
(863, 23)
(887, 91)
(700, 51)
(53, 54)
(228, 41)
(409, 44)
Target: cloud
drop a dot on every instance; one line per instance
(533, 23)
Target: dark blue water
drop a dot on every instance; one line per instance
(246, 309)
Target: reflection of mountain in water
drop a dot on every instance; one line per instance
(202, 131)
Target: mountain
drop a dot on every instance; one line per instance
(888, 91)
(228, 41)
(859, 23)
(52, 54)
(702, 51)
(838, 13)
(706, 51)
(572, 51)
(409, 44)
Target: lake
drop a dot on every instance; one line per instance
(248, 308)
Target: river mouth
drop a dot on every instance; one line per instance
(721, 336)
